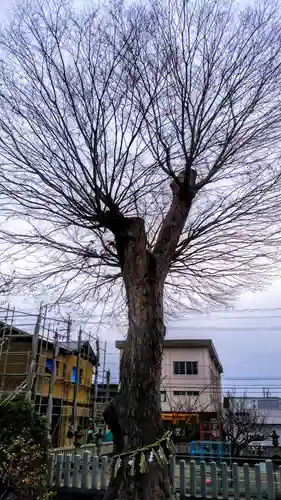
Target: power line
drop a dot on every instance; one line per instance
(257, 309)
(226, 318)
(227, 328)
(233, 311)
(211, 315)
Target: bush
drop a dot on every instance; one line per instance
(24, 448)
(24, 472)
(19, 418)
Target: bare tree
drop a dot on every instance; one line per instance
(189, 428)
(141, 146)
(240, 424)
(206, 398)
(193, 404)
(7, 283)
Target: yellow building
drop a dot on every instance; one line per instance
(62, 379)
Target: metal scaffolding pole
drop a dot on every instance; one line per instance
(95, 396)
(77, 381)
(38, 378)
(52, 381)
(32, 367)
(5, 345)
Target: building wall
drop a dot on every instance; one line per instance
(64, 387)
(14, 363)
(207, 382)
(267, 410)
(215, 388)
(14, 369)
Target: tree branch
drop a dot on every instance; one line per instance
(183, 189)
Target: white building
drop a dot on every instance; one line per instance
(191, 376)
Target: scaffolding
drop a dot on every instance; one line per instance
(47, 361)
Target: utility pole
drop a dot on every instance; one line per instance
(77, 377)
(68, 330)
(95, 396)
(103, 365)
(107, 392)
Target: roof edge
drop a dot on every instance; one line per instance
(207, 343)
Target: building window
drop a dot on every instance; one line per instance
(186, 393)
(73, 374)
(49, 365)
(163, 397)
(179, 367)
(185, 367)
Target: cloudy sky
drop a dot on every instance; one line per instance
(247, 338)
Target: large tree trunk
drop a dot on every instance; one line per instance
(134, 417)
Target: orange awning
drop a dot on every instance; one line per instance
(176, 417)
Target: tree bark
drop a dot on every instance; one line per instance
(134, 416)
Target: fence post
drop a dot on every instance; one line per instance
(66, 470)
(247, 487)
(224, 480)
(270, 480)
(182, 479)
(258, 482)
(279, 470)
(85, 470)
(58, 470)
(214, 480)
(77, 460)
(51, 464)
(103, 479)
(172, 472)
(95, 468)
(235, 479)
(192, 478)
(203, 492)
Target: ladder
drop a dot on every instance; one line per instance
(12, 395)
